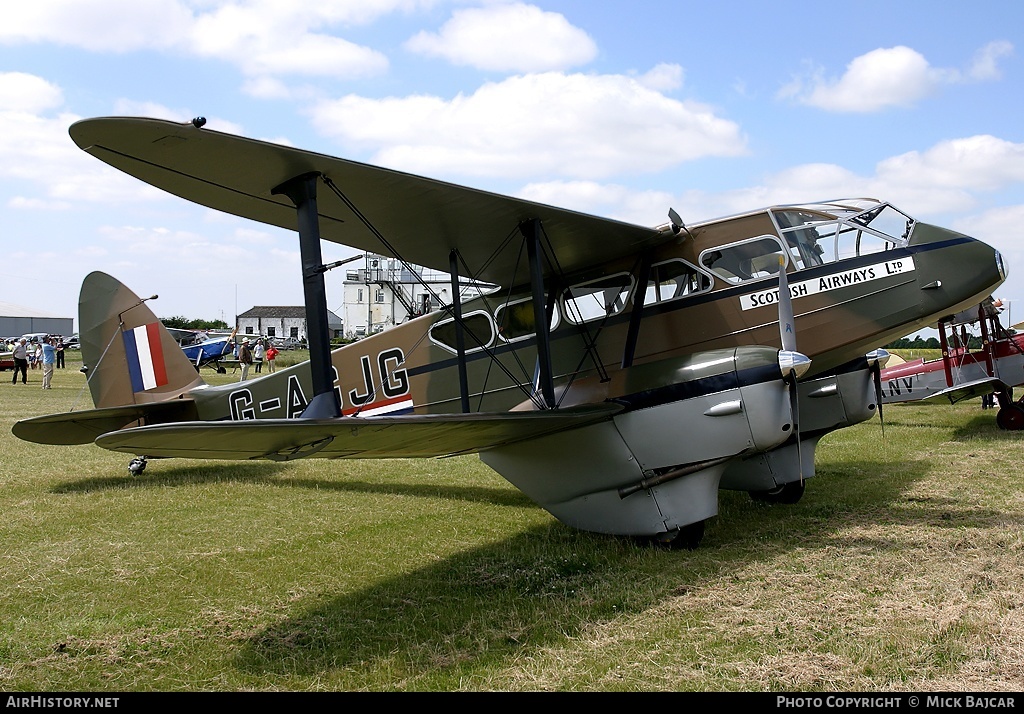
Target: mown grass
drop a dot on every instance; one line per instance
(901, 569)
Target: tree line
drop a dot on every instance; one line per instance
(183, 323)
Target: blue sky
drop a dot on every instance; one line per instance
(620, 109)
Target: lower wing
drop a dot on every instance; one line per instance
(967, 390)
(348, 437)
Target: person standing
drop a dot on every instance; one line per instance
(59, 345)
(271, 355)
(20, 362)
(48, 359)
(257, 355)
(245, 359)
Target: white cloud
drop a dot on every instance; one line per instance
(543, 124)
(979, 163)
(273, 39)
(260, 37)
(663, 78)
(985, 64)
(882, 78)
(512, 37)
(20, 92)
(115, 26)
(898, 76)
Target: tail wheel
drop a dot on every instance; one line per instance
(1010, 417)
(788, 493)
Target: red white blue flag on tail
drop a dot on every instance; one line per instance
(145, 357)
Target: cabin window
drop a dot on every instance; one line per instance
(748, 260)
(477, 332)
(515, 320)
(674, 279)
(597, 299)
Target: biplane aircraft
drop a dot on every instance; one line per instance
(619, 375)
(960, 373)
(210, 351)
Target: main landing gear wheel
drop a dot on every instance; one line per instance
(137, 465)
(788, 493)
(1010, 417)
(686, 538)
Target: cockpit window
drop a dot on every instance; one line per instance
(828, 232)
(674, 279)
(597, 299)
(747, 260)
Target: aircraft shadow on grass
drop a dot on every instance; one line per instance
(551, 583)
(276, 474)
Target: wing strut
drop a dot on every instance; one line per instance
(302, 192)
(460, 339)
(638, 308)
(531, 231)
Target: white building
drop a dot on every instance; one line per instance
(282, 322)
(384, 293)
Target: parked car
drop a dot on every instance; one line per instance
(289, 343)
(71, 343)
(34, 337)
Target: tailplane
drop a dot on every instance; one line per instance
(129, 356)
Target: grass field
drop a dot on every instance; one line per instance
(902, 569)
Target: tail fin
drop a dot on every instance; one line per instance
(129, 355)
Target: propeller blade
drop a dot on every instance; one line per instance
(787, 329)
(876, 360)
(876, 374)
(794, 405)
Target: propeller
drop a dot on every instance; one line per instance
(876, 360)
(793, 363)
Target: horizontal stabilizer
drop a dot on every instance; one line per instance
(382, 437)
(967, 390)
(83, 427)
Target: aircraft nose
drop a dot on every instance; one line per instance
(955, 271)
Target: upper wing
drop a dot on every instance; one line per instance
(422, 218)
(348, 437)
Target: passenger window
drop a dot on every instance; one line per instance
(597, 299)
(674, 279)
(749, 260)
(477, 331)
(515, 320)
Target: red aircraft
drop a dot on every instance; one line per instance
(961, 373)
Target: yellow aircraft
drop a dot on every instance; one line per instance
(618, 374)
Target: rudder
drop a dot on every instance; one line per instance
(129, 355)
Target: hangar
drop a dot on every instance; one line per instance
(16, 320)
